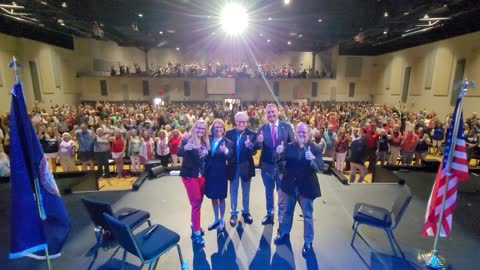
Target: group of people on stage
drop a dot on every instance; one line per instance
(289, 163)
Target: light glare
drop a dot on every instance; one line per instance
(234, 19)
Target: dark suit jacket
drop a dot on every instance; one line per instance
(245, 161)
(192, 164)
(216, 165)
(299, 172)
(216, 183)
(284, 133)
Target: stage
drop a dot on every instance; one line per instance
(251, 246)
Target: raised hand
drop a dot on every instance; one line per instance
(280, 148)
(260, 137)
(309, 155)
(248, 143)
(188, 146)
(223, 148)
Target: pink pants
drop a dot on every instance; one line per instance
(195, 190)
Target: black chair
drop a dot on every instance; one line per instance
(130, 216)
(148, 245)
(382, 218)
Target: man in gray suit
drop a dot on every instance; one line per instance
(269, 136)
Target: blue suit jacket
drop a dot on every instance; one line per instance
(284, 133)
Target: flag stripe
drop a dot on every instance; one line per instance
(458, 172)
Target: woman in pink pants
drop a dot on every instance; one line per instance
(194, 149)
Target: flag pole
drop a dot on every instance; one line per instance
(432, 258)
(37, 193)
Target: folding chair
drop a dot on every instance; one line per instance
(382, 218)
(148, 245)
(130, 216)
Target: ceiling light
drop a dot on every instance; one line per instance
(260, 34)
(300, 35)
(268, 40)
(161, 32)
(385, 14)
(140, 15)
(178, 49)
(270, 18)
(385, 32)
(60, 21)
(43, 3)
(289, 42)
(64, 5)
(286, 2)
(320, 20)
(234, 19)
(171, 31)
(406, 13)
(213, 33)
(426, 16)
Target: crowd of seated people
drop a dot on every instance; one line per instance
(143, 132)
(202, 70)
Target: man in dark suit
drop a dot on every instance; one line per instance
(303, 159)
(270, 135)
(242, 167)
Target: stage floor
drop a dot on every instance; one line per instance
(251, 246)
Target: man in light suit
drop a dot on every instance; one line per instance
(269, 136)
(242, 168)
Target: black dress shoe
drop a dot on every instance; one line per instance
(268, 219)
(198, 240)
(281, 239)
(247, 218)
(214, 225)
(233, 220)
(307, 249)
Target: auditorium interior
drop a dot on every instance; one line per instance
(159, 66)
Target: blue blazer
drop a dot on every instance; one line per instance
(284, 133)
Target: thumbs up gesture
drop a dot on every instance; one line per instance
(223, 148)
(280, 148)
(188, 146)
(248, 143)
(308, 154)
(260, 137)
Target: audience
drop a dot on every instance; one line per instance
(334, 127)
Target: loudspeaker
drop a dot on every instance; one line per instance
(103, 88)
(146, 88)
(149, 164)
(314, 89)
(431, 165)
(186, 88)
(157, 171)
(276, 88)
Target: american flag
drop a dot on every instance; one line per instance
(458, 172)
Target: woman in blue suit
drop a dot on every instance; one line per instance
(216, 183)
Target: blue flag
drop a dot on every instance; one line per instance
(33, 227)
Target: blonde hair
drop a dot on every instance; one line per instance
(198, 141)
(217, 121)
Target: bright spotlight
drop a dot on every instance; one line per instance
(234, 19)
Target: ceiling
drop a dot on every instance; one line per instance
(361, 27)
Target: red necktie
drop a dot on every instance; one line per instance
(274, 135)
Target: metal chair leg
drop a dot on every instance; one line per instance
(389, 235)
(124, 259)
(183, 264)
(396, 243)
(355, 229)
